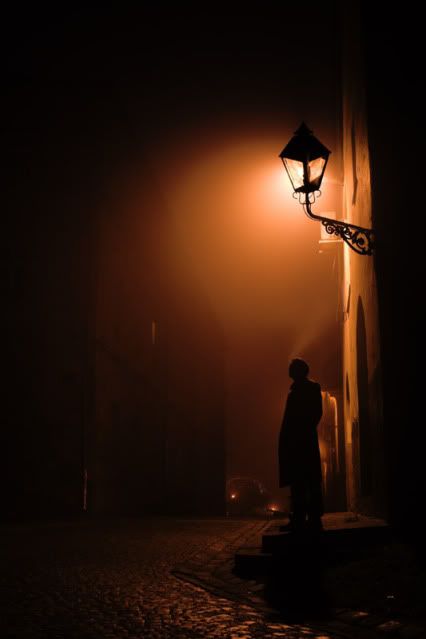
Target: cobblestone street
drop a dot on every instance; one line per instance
(93, 579)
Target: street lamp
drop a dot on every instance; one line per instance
(305, 159)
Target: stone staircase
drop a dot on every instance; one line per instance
(344, 535)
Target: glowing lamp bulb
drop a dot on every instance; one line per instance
(305, 159)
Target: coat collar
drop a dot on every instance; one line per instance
(299, 384)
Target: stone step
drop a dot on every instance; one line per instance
(344, 535)
(250, 562)
(275, 542)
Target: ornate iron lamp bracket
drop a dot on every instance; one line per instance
(358, 238)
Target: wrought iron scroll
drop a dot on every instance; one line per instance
(358, 238)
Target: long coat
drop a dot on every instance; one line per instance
(299, 455)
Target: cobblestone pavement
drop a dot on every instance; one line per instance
(115, 579)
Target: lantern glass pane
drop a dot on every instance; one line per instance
(315, 170)
(295, 172)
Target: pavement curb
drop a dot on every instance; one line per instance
(215, 575)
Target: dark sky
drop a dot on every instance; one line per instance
(164, 69)
(204, 98)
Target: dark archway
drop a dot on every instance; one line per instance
(365, 439)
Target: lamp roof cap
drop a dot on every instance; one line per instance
(304, 146)
(303, 130)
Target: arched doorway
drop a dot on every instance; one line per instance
(364, 429)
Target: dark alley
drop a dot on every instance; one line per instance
(212, 410)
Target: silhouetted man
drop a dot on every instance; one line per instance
(299, 455)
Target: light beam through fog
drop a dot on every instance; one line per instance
(238, 229)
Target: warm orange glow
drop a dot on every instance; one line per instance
(295, 171)
(333, 403)
(273, 507)
(323, 448)
(236, 227)
(266, 194)
(153, 332)
(315, 169)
